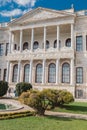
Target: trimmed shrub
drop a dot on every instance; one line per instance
(38, 101)
(3, 88)
(41, 100)
(65, 97)
(22, 87)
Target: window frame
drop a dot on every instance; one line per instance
(64, 75)
(51, 78)
(79, 45)
(27, 74)
(38, 74)
(80, 78)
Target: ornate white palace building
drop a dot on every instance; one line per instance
(47, 48)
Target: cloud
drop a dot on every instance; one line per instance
(15, 12)
(25, 2)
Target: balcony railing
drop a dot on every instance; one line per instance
(51, 53)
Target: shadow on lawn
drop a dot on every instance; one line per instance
(58, 118)
(76, 108)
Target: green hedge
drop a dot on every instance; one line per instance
(3, 88)
(13, 115)
(22, 87)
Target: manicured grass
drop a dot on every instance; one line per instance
(43, 123)
(75, 107)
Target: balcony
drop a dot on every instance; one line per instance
(51, 53)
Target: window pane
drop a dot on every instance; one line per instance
(1, 49)
(26, 73)
(25, 45)
(79, 75)
(7, 48)
(52, 73)
(68, 42)
(0, 74)
(66, 73)
(35, 45)
(79, 43)
(15, 73)
(39, 73)
(47, 44)
(5, 74)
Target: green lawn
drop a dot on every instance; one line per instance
(75, 107)
(43, 123)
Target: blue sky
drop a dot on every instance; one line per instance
(16, 8)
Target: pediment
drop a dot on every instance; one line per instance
(40, 14)
(43, 15)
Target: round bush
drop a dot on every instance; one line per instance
(3, 88)
(22, 87)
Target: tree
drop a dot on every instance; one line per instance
(3, 88)
(41, 100)
(22, 87)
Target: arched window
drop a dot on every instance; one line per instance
(52, 73)
(26, 72)
(68, 42)
(66, 73)
(39, 73)
(15, 73)
(25, 45)
(35, 45)
(55, 44)
(47, 44)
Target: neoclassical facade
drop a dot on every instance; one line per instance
(47, 48)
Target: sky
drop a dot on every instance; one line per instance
(16, 8)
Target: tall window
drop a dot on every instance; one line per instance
(65, 73)
(79, 75)
(25, 45)
(15, 73)
(55, 44)
(68, 42)
(35, 45)
(7, 49)
(52, 73)
(0, 74)
(47, 44)
(26, 72)
(1, 49)
(79, 43)
(39, 73)
(5, 74)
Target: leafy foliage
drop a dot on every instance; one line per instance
(22, 87)
(41, 100)
(3, 88)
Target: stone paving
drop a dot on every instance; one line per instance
(68, 115)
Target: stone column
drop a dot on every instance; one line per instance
(31, 67)
(72, 81)
(72, 36)
(84, 41)
(10, 73)
(19, 68)
(21, 39)
(43, 73)
(58, 37)
(32, 38)
(8, 67)
(45, 38)
(10, 41)
(57, 71)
